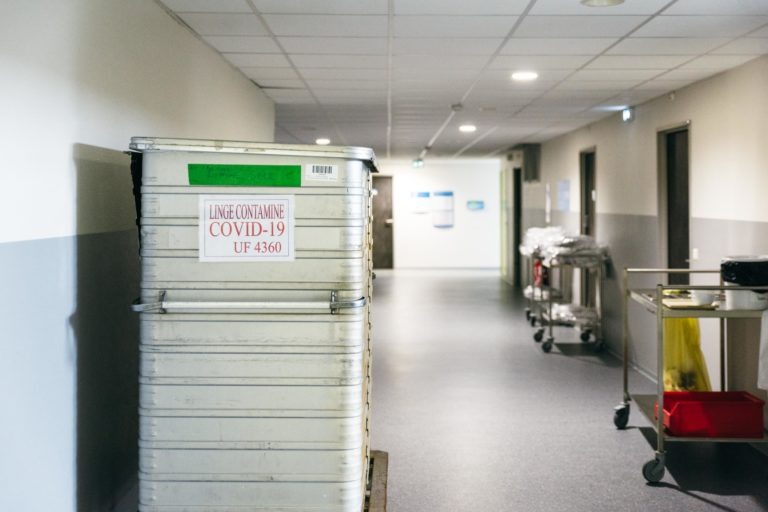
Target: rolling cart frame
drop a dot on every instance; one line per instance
(651, 300)
(536, 302)
(589, 323)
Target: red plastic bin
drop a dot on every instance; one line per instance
(713, 414)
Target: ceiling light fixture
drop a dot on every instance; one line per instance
(524, 76)
(628, 114)
(601, 3)
(322, 141)
(467, 128)
(417, 163)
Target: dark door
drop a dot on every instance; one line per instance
(588, 193)
(382, 222)
(517, 222)
(588, 212)
(678, 225)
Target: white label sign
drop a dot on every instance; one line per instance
(246, 228)
(321, 172)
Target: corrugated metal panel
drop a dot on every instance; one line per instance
(254, 385)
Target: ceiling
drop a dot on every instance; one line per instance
(402, 75)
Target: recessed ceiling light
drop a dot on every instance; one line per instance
(417, 163)
(524, 76)
(322, 141)
(601, 3)
(467, 128)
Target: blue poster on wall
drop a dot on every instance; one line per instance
(475, 205)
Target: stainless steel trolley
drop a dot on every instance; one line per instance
(538, 287)
(653, 301)
(255, 326)
(551, 257)
(537, 292)
(586, 318)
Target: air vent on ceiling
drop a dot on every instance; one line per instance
(531, 155)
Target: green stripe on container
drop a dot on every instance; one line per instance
(245, 175)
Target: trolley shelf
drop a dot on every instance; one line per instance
(646, 405)
(653, 470)
(648, 300)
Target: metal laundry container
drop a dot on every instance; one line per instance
(255, 325)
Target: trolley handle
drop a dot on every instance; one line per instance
(162, 306)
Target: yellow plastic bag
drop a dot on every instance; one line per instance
(684, 365)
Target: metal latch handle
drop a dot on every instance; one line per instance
(162, 306)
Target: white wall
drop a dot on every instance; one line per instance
(728, 134)
(473, 241)
(78, 78)
(98, 72)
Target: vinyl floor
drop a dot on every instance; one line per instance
(477, 418)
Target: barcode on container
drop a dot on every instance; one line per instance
(321, 172)
(322, 169)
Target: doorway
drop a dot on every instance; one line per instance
(587, 223)
(383, 245)
(511, 223)
(517, 223)
(675, 200)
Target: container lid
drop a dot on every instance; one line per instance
(745, 270)
(144, 144)
(746, 259)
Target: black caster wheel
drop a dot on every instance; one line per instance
(527, 314)
(538, 335)
(533, 321)
(585, 336)
(653, 471)
(547, 346)
(621, 416)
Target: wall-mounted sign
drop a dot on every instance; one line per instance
(442, 209)
(475, 205)
(246, 228)
(564, 195)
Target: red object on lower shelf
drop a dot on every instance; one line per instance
(712, 414)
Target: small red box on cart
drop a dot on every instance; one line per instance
(713, 414)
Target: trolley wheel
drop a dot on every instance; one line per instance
(532, 319)
(538, 335)
(585, 336)
(621, 416)
(653, 471)
(547, 346)
(527, 314)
